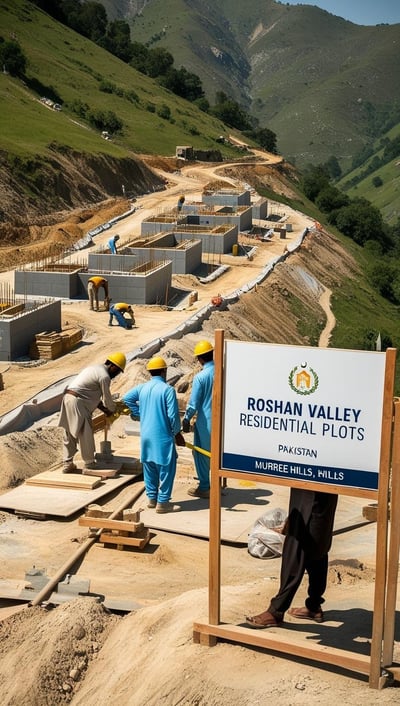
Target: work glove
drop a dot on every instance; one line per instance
(121, 408)
(179, 440)
(185, 426)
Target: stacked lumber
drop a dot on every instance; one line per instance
(126, 531)
(50, 344)
(46, 345)
(70, 338)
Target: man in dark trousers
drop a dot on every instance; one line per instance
(309, 528)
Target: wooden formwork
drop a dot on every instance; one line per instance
(120, 532)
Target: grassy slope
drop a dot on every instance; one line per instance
(387, 196)
(60, 59)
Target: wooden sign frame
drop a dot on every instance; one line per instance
(378, 663)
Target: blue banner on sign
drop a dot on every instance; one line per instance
(301, 471)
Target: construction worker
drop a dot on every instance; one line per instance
(200, 404)
(89, 390)
(94, 285)
(156, 405)
(122, 311)
(112, 244)
(181, 201)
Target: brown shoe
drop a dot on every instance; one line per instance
(69, 467)
(162, 508)
(305, 614)
(152, 502)
(264, 620)
(197, 493)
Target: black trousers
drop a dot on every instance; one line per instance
(307, 543)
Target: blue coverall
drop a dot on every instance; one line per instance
(200, 402)
(156, 404)
(112, 246)
(119, 315)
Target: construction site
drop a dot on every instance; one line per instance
(98, 593)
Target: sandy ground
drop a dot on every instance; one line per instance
(80, 653)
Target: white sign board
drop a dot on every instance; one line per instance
(303, 413)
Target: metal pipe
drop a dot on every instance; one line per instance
(49, 587)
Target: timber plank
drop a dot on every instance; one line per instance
(58, 479)
(104, 523)
(119, 540)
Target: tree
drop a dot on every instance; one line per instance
(89, 19)
(315, 179)
(118, 40)
(183, 83)
(333, 167)
(377, 181)
(158, 62)
(12, 58)
(361, 221)
(230, 112)
(330, 198)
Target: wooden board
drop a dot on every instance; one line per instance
(58, 479)
(104, 523)
(39, 501)
(138, 542)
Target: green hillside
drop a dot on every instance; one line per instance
(304, 73)
(72, 70)
(379, 184)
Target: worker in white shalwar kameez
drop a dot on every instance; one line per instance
(200, 403)
(90, 390)
(155, 404)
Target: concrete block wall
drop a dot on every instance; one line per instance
(17, 333)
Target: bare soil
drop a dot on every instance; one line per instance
(80, 653)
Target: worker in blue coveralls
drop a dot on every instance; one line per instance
(112, 244)
(200, 404)
(155, 404)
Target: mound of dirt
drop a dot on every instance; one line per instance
(69, 637)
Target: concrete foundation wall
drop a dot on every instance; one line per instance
(154, 227)
(139, 288)
(242, 220)
(184, 261)
(64, 285)
(17, 333)
(227, 198)
(260, 209)
(216, 243)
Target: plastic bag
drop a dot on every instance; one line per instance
(265, 542)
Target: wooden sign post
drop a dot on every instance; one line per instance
(316, 419)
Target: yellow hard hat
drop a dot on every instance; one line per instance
(202, 347)
(118, 359)
(156, 363)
